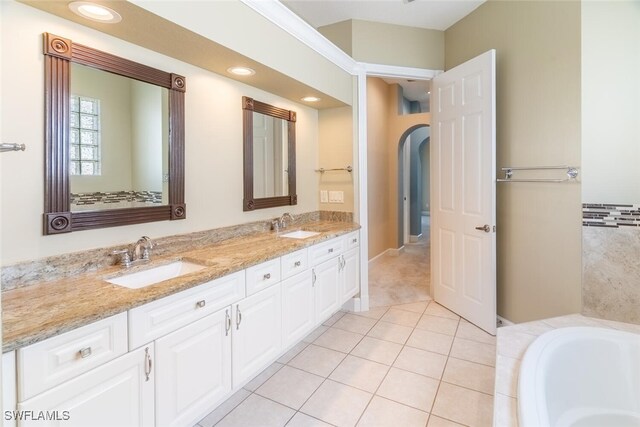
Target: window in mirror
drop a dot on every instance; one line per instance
(84, 124)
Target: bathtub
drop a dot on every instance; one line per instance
(582, 377)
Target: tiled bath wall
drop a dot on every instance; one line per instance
(611, 262)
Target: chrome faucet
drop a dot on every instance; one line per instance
(281, 223)
(133, 256)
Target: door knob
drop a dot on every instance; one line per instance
(486, 228)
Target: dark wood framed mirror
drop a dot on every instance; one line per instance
(84, 146)
(269, 155)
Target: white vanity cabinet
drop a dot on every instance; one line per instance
(117, 393)
(193, 369)
(326, 278)
(298, 308)
(349, 274)
(257, 337)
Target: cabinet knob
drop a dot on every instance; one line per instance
(296, 264)
(267, 276)
(201, 304)
(330, 250)
(85, 352)
(354, 241)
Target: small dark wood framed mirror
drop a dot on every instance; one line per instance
(104, 166)
(269, 155)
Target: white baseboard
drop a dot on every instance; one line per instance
(504, 322)
(414, 239)
(390, 252)
(352, 305)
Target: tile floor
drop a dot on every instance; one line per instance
(404, 278)
(414, 364)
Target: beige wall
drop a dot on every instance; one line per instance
(388, 44)
(610, 102)
(339, 34)
(335, 127)
(385, 130)
(538, 123)
(379, 102)
(213, 153)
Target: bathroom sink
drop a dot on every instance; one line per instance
(155, 275)
(300, 234)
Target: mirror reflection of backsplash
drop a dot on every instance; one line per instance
(115, 200)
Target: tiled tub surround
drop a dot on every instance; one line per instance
(512, 343)
(610, 215)
(46, 308)
(115, 197)
(611, 271)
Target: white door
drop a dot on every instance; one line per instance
(118, 393)
(298, 308)
(463, 177)
(325, 281)
(193, 370)
(257, 333)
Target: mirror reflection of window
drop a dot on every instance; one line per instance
(270, 156)
(84, 124)
(119, 133)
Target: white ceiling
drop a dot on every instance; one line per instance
(433, 14)
(414, 90)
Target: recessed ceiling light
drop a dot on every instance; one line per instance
(241, 71)
(310, 99)
(95, 12)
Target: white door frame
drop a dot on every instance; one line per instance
(364, 70)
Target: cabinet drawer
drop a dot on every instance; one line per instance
(262, 276)
(158, 318)
(53, 361)
(352, 240)
(327, 250)
(294, 263)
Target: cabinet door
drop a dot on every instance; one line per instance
(193, 370)
(350, 275)
(257, 333)
(326, 277)
(298, 308)
(118, 393)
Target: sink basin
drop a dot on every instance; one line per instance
(154, 275)
(299, 234)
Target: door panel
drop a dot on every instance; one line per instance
(463, 191)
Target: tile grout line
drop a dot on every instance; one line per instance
(375, 393)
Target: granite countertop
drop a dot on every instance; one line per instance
(42, 310)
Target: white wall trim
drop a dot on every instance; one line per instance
(284, 18)
(382, 70)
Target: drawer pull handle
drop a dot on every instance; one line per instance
(201, 304)
(227, 320)
(147, 363)
(267, 276)
(354, 241)
(85, 352)
(313, 277)
(330, 250)
(238, 316)
(296, 264)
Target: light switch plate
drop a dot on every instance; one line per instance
(324, 196)
(336, 196)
